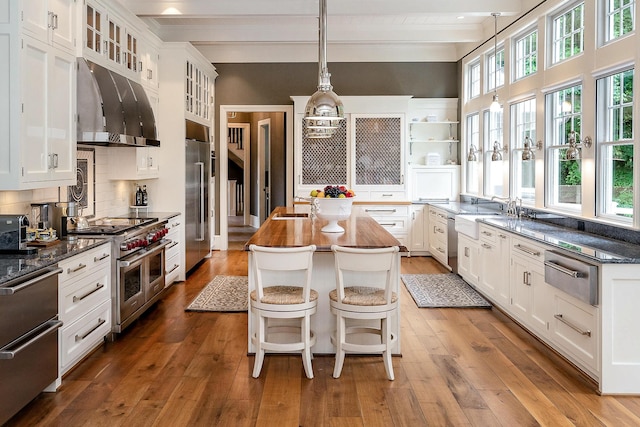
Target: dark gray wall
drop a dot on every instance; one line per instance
(275, 83)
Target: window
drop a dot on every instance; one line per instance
(568, 34)
(474, 79)
(620, 18)
(615, 145)
(494, 169)
(473, 139)
(564, 180)
(495, 67)
(526, 55)
(523, 116)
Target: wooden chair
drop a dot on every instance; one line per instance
(283, 291)
(364, 291)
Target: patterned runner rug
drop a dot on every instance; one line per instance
(223, 293)
(442, 290)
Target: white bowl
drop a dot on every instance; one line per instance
(333, 210)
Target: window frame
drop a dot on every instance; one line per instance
(472, 133)
(492, 69)
(493, 132)
(520, 61)
(519, 129)
(472, 81)
(608, 16)
(555, 40)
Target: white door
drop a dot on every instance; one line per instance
(264, 168)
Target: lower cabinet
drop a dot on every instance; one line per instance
(494, 254)
(437, 232)
(469, 259)
(84, 303)
(419, 236)
(173, 252)
(394, 218)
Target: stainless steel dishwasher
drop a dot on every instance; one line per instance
(28, 338)
(573, 276)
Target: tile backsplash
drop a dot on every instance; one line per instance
(111, 197)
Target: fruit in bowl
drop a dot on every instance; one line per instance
(333, 192)
(333, 204)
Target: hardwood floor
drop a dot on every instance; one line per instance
(459, 367)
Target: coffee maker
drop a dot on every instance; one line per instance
(42, 215)
(13, 235)
(64, 219)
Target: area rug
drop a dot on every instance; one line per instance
(223, 293)
(442, 290)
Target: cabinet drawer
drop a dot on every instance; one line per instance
(80, 337)
(172, 269)
(437, 215)
(393, 225)
(574, 328)
(488, 234)
(172, 248)
(388, 195)
(83, 264)
(79, 297)
(387, 210)
(527, 248)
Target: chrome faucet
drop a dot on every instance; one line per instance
(512, 206)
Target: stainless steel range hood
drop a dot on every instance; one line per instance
(112, 110)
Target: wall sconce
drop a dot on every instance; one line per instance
(528, 153)
(497, 155)
(473, 151)
(573, 152)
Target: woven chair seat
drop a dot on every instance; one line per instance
(283, 295)
(362, 295)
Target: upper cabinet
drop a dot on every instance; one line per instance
(52, 21)
(198, 93)
(367, 153)
(118, 40)
(37, 94)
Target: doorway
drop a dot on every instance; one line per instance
(264, 169)
(221, 237)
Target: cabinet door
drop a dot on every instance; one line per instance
(36, 18)
(378, 157)
(469, 260)
(61, 106)
(63, 32)
(417, 229)
(323, 161)
(520, 288)
(431, 183)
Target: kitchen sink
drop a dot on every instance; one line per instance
(290, 215)
(467, 225)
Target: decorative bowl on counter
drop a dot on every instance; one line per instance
(333, 210)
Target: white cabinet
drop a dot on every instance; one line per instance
(393, 218)
(438, 243)
(366, 153)
(433, 131)
(495, 252)
(84, 301)
(530, 294)
(198, 91)
(134, 163)
(51, 21)
(172, 252)
(469, 259)
(419, 230)
(434, 183)
(37, 127)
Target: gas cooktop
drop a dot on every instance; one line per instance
(111, 226)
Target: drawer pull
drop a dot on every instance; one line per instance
(573, 273)
(572, 326)
(438, 230)
(174, 267)
(93, 291)
(380, 210)
(86, 334)
(525, 278)
(484, 245)
(387, 195)
(440, 250)
(172, 245)
(104, 256)
(502, 236)
(78, 268)
(487, 233)
(387, 224)
(527, 250)
(175, 224)
(466, 251)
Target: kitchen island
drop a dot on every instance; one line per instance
(295, 226)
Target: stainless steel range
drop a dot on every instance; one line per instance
(139, 264)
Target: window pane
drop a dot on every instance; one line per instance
(568, 34)
(526, 52)
(473, 139)
(523, 116)
(621, 19)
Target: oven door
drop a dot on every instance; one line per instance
(131, 286)
(155, 272)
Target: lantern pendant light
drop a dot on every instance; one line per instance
(495, 105)
(324, 110)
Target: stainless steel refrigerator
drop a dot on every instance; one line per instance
(198, 164)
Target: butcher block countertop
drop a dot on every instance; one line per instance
(281, 230)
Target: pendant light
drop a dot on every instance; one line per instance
(495, 105)
(324, 110)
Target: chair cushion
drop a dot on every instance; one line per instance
(283, 295)
(362, 295)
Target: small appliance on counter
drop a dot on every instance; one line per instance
(13, 235)
(41, 215)
(64, 219)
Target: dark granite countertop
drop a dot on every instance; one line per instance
(590, 246)
(13, 266)
(160, 215)
(461, 208)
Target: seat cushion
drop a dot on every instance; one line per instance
(362, 295)
(283, 295)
